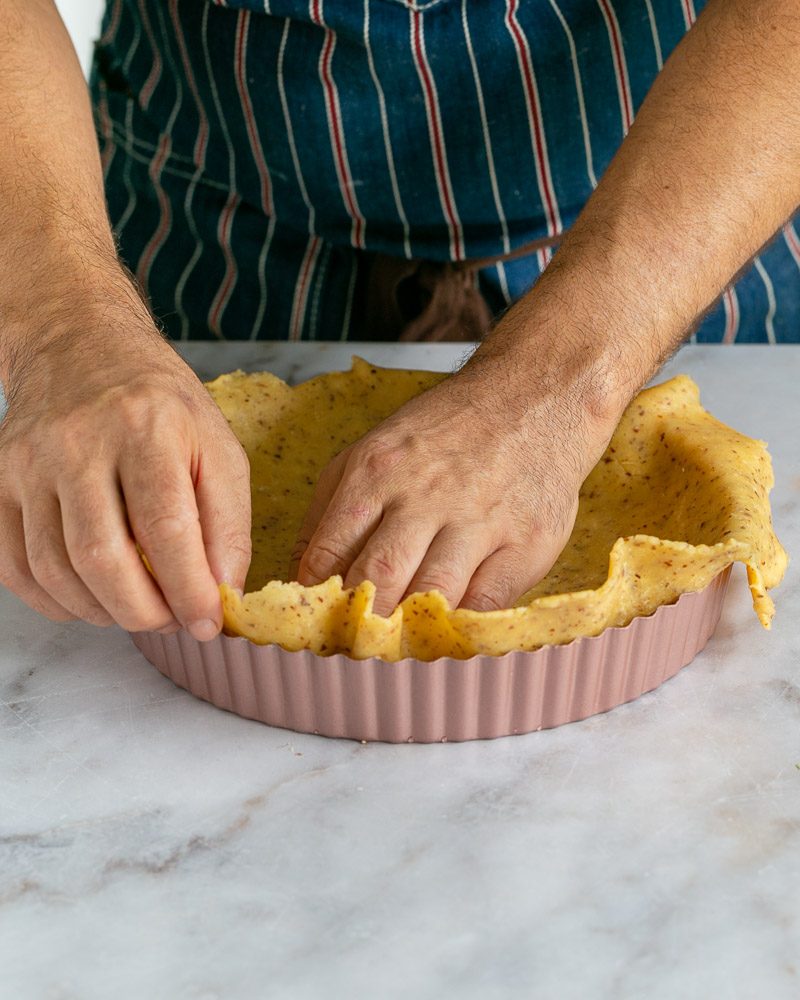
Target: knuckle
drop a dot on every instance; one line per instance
(444, 580)
(486, 599)
(497, 591)
(57, 578)
(165, 527)
(136, 406)
(95, 555)
(46, 568)
(144, 412)
(323, 560)
(72, 436)
(383, 568)
(377, 460)
(70, 433)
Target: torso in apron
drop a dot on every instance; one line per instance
(437, 128)
(276, 139)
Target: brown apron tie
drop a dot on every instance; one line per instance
(421, 300)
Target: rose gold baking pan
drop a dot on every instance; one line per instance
(412, 701)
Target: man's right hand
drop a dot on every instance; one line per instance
(110, 441)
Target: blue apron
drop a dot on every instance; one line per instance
(256, 154)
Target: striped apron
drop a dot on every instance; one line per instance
(259, 154)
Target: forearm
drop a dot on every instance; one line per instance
(56, 246)
(707, 174)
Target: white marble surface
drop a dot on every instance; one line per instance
(154, 847)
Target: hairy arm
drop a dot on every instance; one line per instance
(54, 234)
(472, 488)
(707, 175)
(110, 441)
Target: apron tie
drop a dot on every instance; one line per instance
(422, 300)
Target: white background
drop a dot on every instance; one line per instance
(82, 17)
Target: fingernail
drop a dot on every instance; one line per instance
(203, 630)
(231, 577)
(227, 581)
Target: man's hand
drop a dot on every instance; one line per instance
(470, 489)
(111, 442)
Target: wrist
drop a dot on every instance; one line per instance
(554, 365)
(79, 300)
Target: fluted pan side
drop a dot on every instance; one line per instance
(446, 699)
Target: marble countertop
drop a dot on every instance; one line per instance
(152, 846)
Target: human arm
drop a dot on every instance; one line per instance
(472, 488)
(110, 441)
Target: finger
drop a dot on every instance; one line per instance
(15, 572)
(170, 629)
(222, 491)
(320, 500)
(162, 510)
(103, 554)
(506, 575)
(391, 558)
(450, 562)
(338, 523)
(50, 563)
